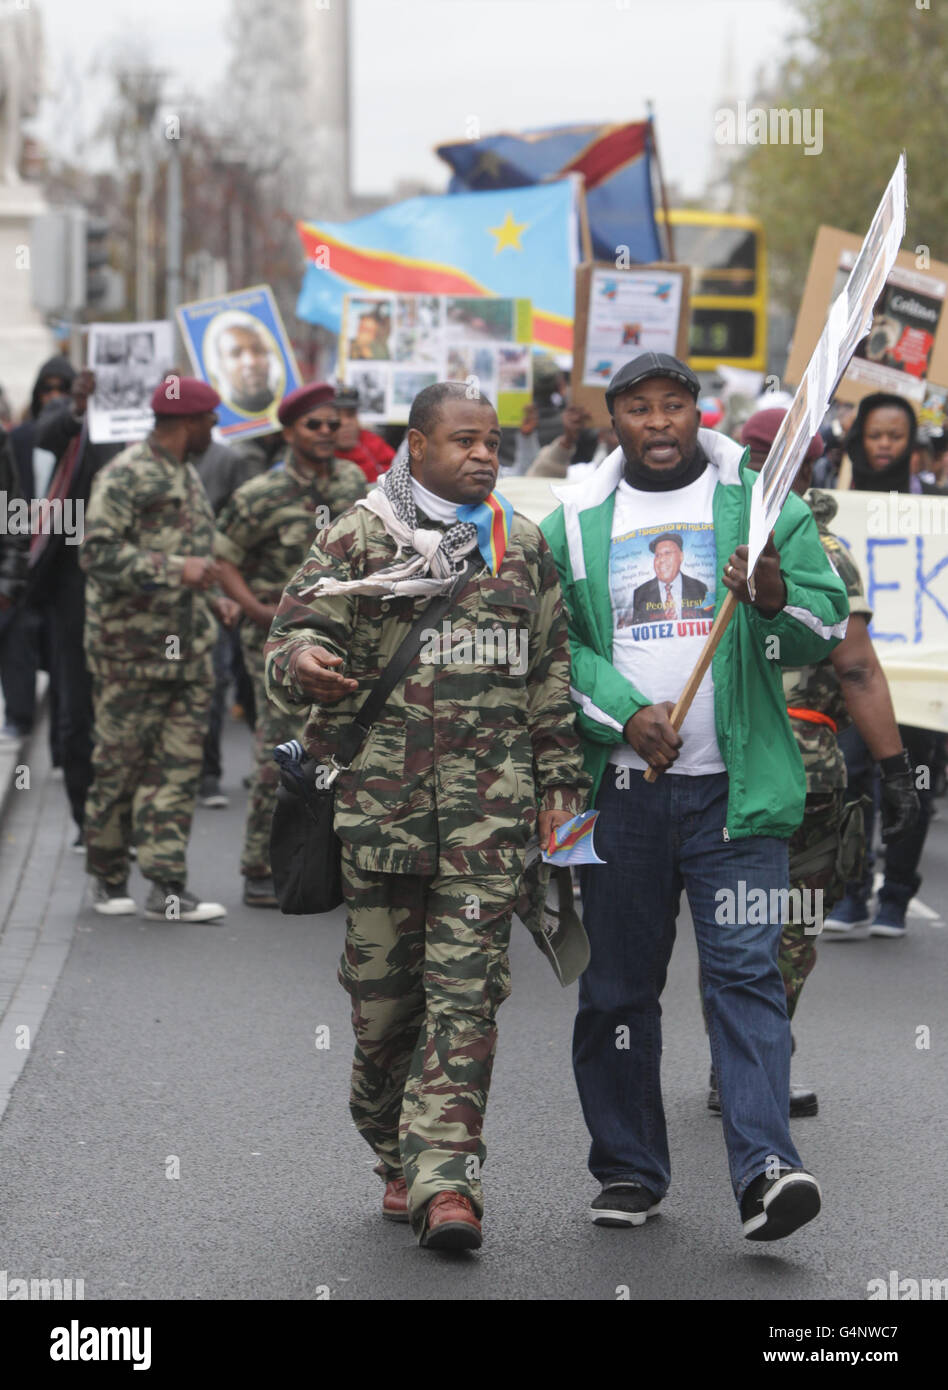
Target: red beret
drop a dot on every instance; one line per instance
(761, 429)
(183, 395)
(305, 398)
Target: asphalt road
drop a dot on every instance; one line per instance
(162, 1048)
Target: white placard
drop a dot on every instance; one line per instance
(850, 319)
(129, 360)
(632, 312)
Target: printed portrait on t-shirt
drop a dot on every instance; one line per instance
(663, 575)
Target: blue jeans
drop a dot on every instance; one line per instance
(657, 839)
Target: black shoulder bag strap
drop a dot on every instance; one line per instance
(354, 734)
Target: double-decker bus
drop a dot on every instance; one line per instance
(728, 262)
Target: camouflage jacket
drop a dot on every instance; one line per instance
(269, 523)
(817, 687)
(146, 515)
(450, 777)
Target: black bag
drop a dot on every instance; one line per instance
(305, 851)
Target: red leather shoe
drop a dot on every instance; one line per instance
(451, 1223)
(395, 1201)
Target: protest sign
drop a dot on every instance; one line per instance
(906, 351)
(237, 343)
(129, 360)
(850, 319)
(620, 313)
(900, 546)
(393, 345)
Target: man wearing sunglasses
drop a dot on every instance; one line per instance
(264, 533)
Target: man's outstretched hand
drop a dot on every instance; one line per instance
(317, 678)
(653, 736)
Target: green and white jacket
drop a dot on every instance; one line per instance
(767, 783)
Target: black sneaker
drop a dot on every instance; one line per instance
(803, 1099)
(171, 902)
(772, 1208)
(623, 1204)
(259, 892)
(112, 900)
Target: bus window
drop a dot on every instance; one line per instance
(723, 259)
(722, 333)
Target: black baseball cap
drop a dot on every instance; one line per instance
(347, 398)
(651, 364)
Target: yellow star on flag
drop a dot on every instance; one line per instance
(508, 233)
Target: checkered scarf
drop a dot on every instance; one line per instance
(459, 539)
(427, 562)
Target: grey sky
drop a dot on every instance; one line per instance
(421, 68)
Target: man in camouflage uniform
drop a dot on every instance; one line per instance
(473, 755)
(849, 685)
(263, 534)
(827, 846)
(147, 556)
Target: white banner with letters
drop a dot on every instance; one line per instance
(900, 544)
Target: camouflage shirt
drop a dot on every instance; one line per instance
(451, 774)
(817, 687)
(146, 515)
(269, 523)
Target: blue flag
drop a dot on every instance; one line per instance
(614, 160)
(518, 244)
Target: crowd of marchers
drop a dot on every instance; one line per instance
(279, 579)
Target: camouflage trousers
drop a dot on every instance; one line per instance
(425, 965)
(146, 768)
(272, 727)
(820, 826)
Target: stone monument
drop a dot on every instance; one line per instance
(25, 340)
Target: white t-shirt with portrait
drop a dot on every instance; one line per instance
(662, 581)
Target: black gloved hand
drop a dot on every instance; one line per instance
(900, 804)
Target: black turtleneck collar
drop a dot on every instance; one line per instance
(646, 479)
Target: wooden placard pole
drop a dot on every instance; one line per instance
(725, 614)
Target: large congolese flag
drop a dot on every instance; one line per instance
(516, 243)
(615, 164)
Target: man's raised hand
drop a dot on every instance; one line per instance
(768, 581)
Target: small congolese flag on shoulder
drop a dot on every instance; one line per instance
(493, 520)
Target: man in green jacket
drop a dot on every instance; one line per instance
(729, 795)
